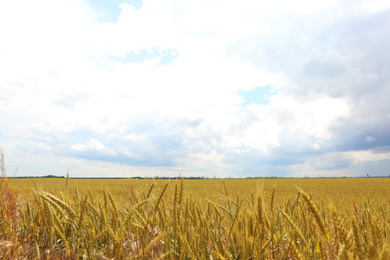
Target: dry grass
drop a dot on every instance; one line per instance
(194, 219)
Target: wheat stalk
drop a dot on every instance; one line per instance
(299, 233)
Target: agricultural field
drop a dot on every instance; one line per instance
(56, 218)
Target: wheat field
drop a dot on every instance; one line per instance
(194, 219)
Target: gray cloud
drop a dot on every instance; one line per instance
(347, 57)
(142, 143)
(320, 66)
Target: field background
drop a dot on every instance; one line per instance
(344, 190)
(58, 218)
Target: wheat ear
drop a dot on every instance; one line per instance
(61, 204)
(314, 210)
(357, 245)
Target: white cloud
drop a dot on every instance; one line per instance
(93, 144)
(376, 5)
(367, 156)
(65, 72)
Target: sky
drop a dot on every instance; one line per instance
(201, 88)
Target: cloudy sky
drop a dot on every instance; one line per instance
(215, 88)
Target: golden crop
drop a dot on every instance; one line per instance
(194, 219)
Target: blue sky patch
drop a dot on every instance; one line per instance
(258, 95)
(109, 11)
(166, 56)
